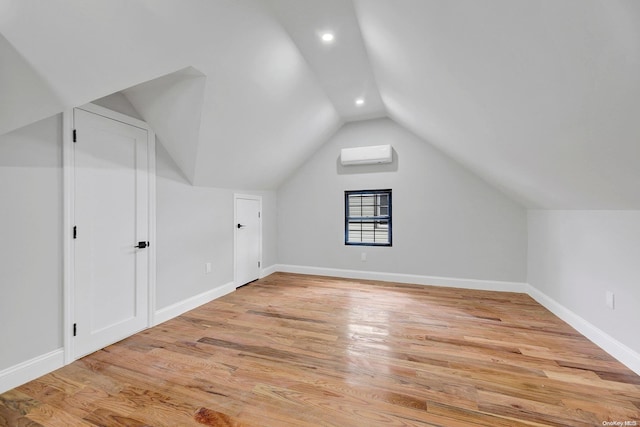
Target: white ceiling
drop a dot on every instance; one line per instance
(342, 67)
(540, 98)
(172, 106)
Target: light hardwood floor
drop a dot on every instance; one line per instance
(293, 350)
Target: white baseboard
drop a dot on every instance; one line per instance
(615, 348)
(31, 369)
(485, 285)
(24, 372)
(269, 270)
(181, 307)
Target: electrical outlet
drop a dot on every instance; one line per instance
(610, 300)
(363, 256)
(207, 268)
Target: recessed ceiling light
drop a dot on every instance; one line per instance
(327, 37)
(359, 101)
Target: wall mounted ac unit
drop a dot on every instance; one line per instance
(374, 154)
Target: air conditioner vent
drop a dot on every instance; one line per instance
(375, 154)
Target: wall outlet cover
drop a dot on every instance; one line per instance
(610, 300)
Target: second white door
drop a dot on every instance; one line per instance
(248, 232)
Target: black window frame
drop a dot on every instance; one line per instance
(375, 219)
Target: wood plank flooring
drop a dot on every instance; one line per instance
(294, 350)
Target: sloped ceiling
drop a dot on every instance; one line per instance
(24, 95)
(540, 98)
(172, 106)
(262, 114)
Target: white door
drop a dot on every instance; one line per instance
(248, 232)
(111, 213)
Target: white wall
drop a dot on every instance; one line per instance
(26, 94)
(120, 103)
(574, 257)
(446, 221)
(30, 241)
(195, 226)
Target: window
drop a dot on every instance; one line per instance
(367, 217)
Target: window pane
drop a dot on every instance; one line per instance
(367, 217)
(362, 205)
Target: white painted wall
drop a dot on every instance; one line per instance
(446, 221)
(26, 95)
(120, 103)
(195, 226)
(574, 257)
(269, 227)
(172, 106)
(30, 241)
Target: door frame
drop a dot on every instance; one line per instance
(68, 177)
(236, 197)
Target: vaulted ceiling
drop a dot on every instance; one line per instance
(540, 98)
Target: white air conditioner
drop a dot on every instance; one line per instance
(375, 154)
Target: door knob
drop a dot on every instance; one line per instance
(142, 245)
(241, 225)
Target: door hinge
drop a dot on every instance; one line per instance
(75, 136)
(258, 214)
(75, 232)
(258, 264)
(74, 329)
